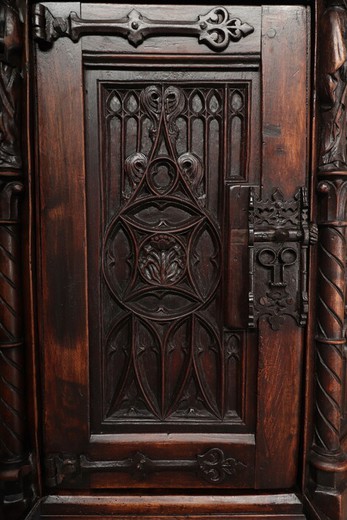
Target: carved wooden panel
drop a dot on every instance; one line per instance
(168, 150)
(140, 181)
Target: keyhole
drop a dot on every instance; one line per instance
(277, 261)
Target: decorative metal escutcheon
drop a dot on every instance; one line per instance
(279, 237)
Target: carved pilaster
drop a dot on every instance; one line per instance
(330, 337)
(14, 458)
(328, 459)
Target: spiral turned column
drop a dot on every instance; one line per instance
(15, 468)
(12, 393)
(328, 475)
(330, 340)
(327, 483)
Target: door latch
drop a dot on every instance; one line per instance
(279, 236)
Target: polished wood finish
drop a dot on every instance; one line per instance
(275, 385)
(167, 269)
(62, 200)
(157, 390)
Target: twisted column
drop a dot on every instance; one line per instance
(330, 339)
(326, 486)
(12, 395)
(15, 484)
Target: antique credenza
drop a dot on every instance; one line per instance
(173, 214)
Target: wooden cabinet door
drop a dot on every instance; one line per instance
(173, 235)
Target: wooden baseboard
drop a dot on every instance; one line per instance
(181, 507)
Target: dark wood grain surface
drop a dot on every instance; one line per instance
(170, 285)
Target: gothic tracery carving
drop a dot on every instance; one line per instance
(162, 255)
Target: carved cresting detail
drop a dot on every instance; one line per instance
(212, 466)
(217, 28)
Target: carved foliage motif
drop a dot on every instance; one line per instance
(10, 86)
(217, 28)
(162, 255)
(162, 260)
(332, 88)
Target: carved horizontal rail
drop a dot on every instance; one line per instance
(217, 28)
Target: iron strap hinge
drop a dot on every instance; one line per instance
(216, 28)
(213, 466)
